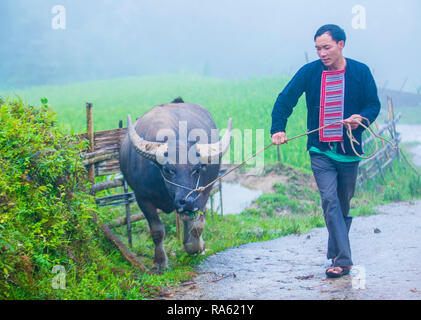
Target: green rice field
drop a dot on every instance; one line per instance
(248, 102)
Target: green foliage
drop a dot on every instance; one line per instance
(399, 182)
(293, 197)
(44, 212)
(45, 215)
(392, 192)
(414, 185)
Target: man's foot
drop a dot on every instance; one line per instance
(337, 272)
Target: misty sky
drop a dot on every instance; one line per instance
(219, 38)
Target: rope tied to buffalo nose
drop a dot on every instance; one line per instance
(197, 188)
(349, 134)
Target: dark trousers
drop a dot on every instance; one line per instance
(336, 182)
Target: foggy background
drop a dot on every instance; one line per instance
(218, 38)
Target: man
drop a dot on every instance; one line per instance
(337, 89)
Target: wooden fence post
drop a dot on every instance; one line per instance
(391, 114)
(383, 144)
(220, 197)
(211, 204)
(391, 117)
(126, 191)
(91, 137)
(364, 176)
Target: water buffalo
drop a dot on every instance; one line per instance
(169, 151)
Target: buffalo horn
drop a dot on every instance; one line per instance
(211, 153)
(147, 149)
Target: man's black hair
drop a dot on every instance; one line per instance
(336, 32)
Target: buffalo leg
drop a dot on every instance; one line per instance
(157, 234)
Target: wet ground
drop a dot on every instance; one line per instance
(386, 252)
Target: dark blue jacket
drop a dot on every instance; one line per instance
(360, 98)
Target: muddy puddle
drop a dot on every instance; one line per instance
(235, 198)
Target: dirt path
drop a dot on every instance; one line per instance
(386, 253)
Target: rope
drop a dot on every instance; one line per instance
(352, 139)
(349, 133)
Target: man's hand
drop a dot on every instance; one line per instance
(279, 138)
(352, 121)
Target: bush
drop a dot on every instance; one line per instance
(45, 217)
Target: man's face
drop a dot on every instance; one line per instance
(328, 50)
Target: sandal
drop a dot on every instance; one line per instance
(344, 271)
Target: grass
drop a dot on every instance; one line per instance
(248, 102)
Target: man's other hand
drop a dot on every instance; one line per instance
(352, 120)
(279, 138)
